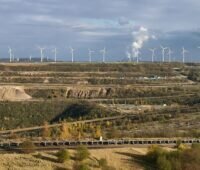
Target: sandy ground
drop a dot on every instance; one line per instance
(13, 93)
(23, 162)
(120, 158)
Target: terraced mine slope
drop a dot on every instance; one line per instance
(153, 99)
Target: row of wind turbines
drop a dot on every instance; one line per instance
(165, 50)
(169, 52)
(55, 51)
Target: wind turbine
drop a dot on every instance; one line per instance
(137, 53)
(128, 56)
(103, 51)
(13, 57)
(10, 52)
(170, 52)
(55, 54)
(163, 53)
(153, 54)
(72, 53)
(41, 53)
(30, 58)
(183, 53)
(90, 55)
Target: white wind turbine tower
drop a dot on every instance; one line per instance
(153, 54)
(137, 53)
(41, 53)
(30, 58)
(170, 52)
(163, 53)
(72, 53)
(90, 55)
(13, 56)
(10, 52)
(183, 53)
(129, 56)
(103, 51)
(55, 54)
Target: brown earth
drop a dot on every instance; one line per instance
(120, 158)
(13, 93)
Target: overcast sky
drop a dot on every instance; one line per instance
(95, 24)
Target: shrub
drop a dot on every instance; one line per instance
(81, 166)
(82, 153)
(63, 156)
(187, 159)
(195, 146)
(163, 163)
(153, 153)
(27, 147)
(103, 164)
(194, 75)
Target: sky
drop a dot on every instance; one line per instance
(118, 25)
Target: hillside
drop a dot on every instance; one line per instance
(148, 95)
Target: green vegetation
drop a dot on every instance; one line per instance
(149, 69)
(27, 114)
(184, 159)
(82, 153)
(63, 156)
(84, 110)
(103, 164)
(194, 75)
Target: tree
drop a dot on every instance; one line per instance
(63, 156)
(163, 163)
(82, 153)
(98, 133)
(46, 133)
(64, 131)
(55, 132)
(108, 123)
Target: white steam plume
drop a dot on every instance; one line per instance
(140, 37)
(128, 54)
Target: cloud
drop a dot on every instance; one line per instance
(25, 23)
